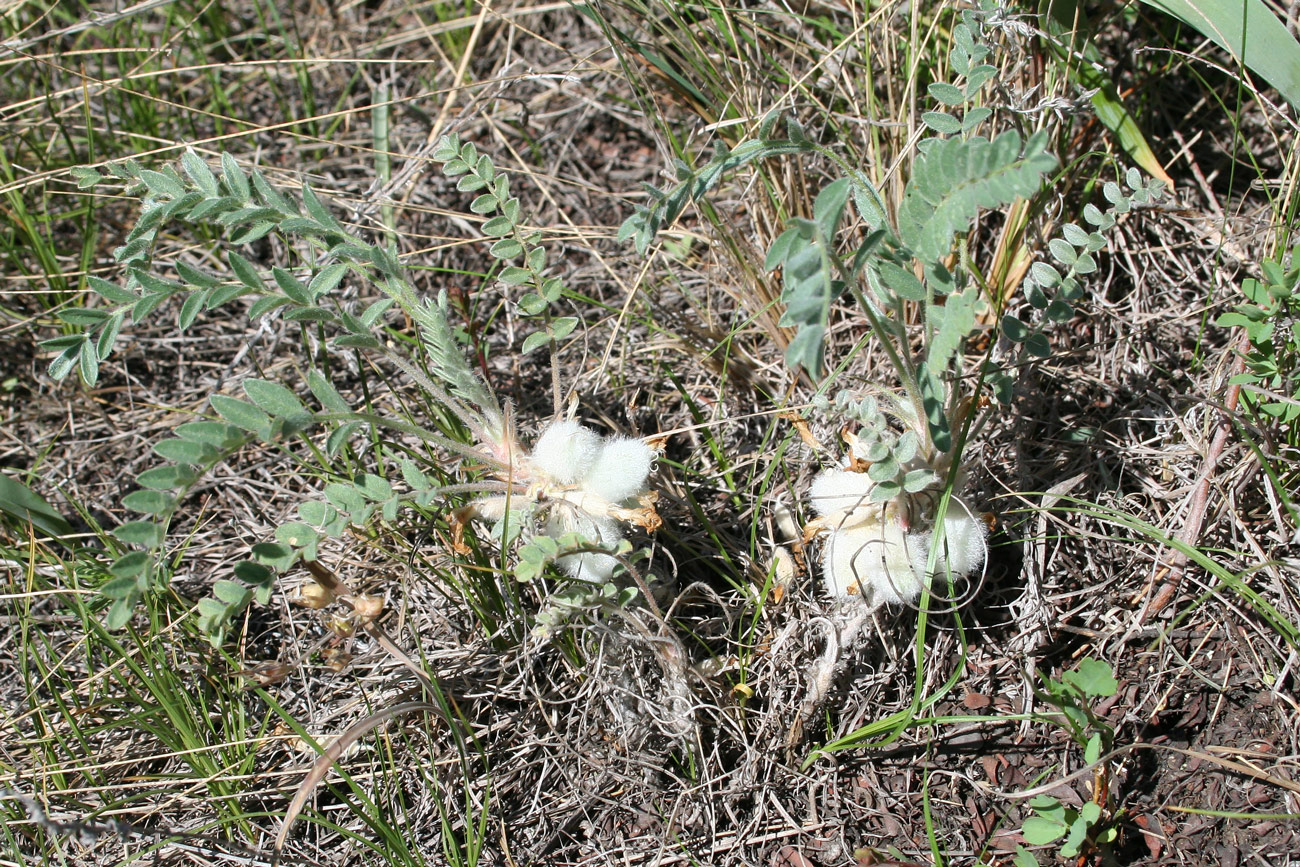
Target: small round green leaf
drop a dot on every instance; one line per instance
(130, 565)
(170, 477)
(240, 414)
(295, 534)
(144, 533)
(185, 451)
(120, 613)
(274, 398)
(232, 593)
(149, 502)
(497, 226)
(252, 573)
(534, 341)
(941, 122)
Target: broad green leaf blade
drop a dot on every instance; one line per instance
(26, 506)
(1248, 31)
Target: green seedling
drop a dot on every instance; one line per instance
(1270, 384)
(1092, 824)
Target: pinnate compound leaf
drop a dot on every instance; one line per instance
(806, 253)
(808, 348)
(951, 323)
(666, 207)
(957, 177)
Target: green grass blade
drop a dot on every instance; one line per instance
(1065, 24)
(1248, 31)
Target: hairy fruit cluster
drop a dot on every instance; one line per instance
(578, 482)
(879, 552)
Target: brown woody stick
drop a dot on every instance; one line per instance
(1176, 565)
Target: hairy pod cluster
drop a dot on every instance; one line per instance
(580, 482)
(876, 551)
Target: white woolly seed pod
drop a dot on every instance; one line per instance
(602, 529)
(844, 493)
(873, 560)
(565, 452)
(963, 544)
(619, 472)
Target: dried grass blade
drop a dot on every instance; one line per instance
(327, 759)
